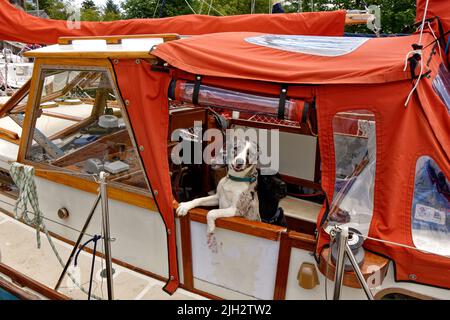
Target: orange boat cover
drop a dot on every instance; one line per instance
(17, 25)
(440, 9)
(351, 74)
(273, 58)
(436, 8)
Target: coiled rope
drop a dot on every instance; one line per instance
(23, 177)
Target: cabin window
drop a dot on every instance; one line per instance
(355, 152)
(431, 208)
(441, 85)
(81, 128)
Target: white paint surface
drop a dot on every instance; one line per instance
(241, 263)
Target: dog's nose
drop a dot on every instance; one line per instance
(240, 162)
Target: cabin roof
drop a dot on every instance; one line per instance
(102, 47)
(292, 59)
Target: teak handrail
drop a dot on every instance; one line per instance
(118, 38)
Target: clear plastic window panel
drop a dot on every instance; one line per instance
(313, 45)
(441, 85)
(355, 156)
(431, 208)
(80, 127)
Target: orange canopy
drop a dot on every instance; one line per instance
(349, 74)
(17, 25)
(312, 60)
(436, 8)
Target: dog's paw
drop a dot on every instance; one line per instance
(183, 208)
(212, 243)
(211, 228)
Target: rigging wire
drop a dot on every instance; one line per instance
(48, 219)
(156, 8)
(211, 7)
(190, 7)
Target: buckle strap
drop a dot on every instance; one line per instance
(198, 83)
(282, 104)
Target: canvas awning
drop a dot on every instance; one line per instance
(19, 26)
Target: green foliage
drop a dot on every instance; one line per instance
(89, 11)
(111, 7)
(395, 14)
(56, 9)
(88, 4)
(111, 11)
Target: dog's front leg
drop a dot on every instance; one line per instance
(184, 207)
(216, 214)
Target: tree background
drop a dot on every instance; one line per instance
(396, 14)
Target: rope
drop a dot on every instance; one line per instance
(48, 219)
(398, 244)
(23, 177)
(419, 52)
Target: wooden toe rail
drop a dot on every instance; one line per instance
(372, 262)
(253, 228)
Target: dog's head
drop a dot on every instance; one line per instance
(242, 158)
(272, 186)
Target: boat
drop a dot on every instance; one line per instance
(365, 159)
(15, 71)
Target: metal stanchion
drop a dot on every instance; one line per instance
(106, 234)
(342, 237)
(358, 272)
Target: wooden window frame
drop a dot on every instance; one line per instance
(139, 198)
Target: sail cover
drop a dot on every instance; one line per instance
(17, 25)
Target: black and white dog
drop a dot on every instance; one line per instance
(236, 193)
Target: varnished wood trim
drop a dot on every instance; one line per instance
(381, 294)
(301, 182)
(186, 249)
(62, 116)
(284, 259)
(350, 280)
(32, 284)
(257, 229)
(16, 291)
(302, 241)
(357, 18)
(34, 95)
(16, 98)
(136, 199)
(117, 39)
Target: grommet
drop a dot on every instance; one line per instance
(141, 148)
(284, 90)
(127, 102)
(169, 232)
(116, 61)
(412, 277)
(165, 64)
(155, 192)
(172, 278)
(198, 78)
(138, 61)
(63, 213)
